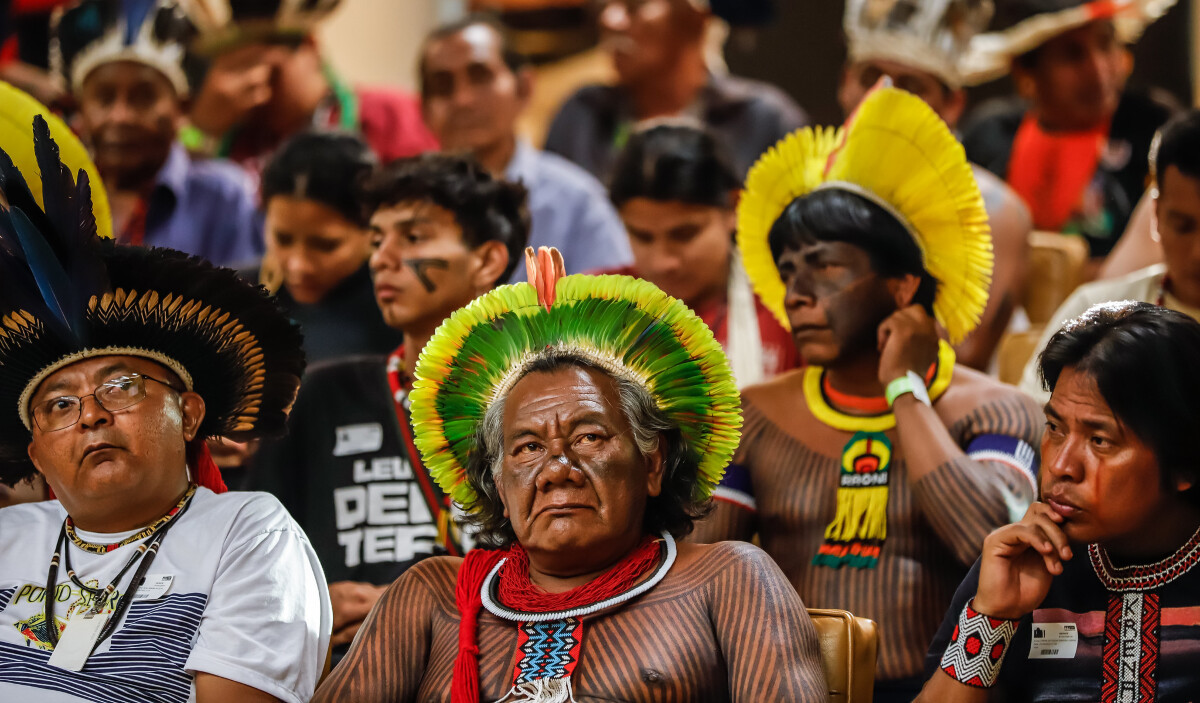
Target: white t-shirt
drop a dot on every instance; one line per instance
(1145, 285)
(247, 601)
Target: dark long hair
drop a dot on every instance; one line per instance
(833, 215)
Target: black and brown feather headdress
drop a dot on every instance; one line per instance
(69, 295)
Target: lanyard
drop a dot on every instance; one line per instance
(347, 100)
(146, 551)
(398, 384)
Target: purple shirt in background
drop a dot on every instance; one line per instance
(570, 210)
(204, 207)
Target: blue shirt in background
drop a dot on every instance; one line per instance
(570, 210)
(207, 208)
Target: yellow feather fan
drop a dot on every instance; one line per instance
(793, 167)
(896, 151)
(16, 124)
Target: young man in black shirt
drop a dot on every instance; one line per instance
(443, 231)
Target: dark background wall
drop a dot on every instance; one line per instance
(803, 51)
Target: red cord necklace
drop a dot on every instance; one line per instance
(867, 405)
(547, 623)
(518, 592)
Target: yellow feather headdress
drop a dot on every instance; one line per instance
(17, 115)
(895, 151)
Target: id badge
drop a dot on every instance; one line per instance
(76, 643)
(154, 587)
(1054, 640)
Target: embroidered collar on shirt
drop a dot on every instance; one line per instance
(1144, 577)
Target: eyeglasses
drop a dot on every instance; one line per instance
(114, 394)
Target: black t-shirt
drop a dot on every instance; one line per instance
(1072, 626)
(346, 474)
(346, 322)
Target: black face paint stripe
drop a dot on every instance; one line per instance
(421, 268)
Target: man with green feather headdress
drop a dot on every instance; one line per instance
(583, 422)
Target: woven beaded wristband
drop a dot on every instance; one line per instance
(977, 648)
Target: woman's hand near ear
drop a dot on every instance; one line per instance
(908, 341)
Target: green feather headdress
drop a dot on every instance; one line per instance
(624, 325)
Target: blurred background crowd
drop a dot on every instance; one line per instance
(377, 164)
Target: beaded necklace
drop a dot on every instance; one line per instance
(816, 390)
(873, 405)
(1133, 619)
(490, 592)
(856, 535)
(69, 527)
(549, 626)
(1121, 579)
(145, 552)
(549, 641)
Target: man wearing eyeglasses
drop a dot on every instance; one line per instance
(120, 412)
(144, 580)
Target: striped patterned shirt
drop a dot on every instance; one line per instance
(784, 489)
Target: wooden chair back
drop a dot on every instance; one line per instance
(1056, 268)
(848, 648)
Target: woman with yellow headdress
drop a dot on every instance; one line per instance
(873, 474)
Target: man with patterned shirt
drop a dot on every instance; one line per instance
(1093, 596)
(443, 232)
(873, 475)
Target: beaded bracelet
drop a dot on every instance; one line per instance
(977, 648)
